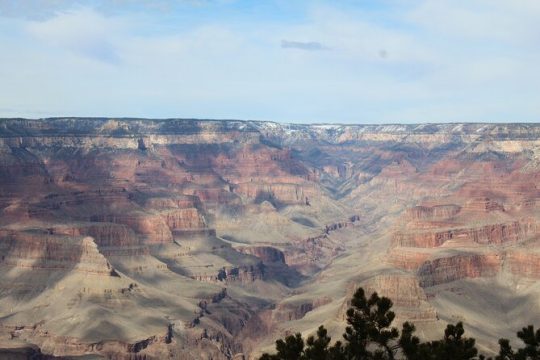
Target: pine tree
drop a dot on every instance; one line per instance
(531, 351)
(317, 348)
(454, 346)
(369, 335)
(292, 348)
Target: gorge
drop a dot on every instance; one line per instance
(181, 238)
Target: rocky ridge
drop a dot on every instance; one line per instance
(118, 236)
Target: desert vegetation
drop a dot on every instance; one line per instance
(371, 336)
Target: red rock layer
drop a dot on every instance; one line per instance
(267, 254)
(241, 274)
(433, 212)
(451, 268)
(183, 219)
(41, 251)
(524, 263)
(69, 346)
(407, 258)
(104, 234)
(152, 227)
(283, 193)
(294, 311)
(488, 234)
(179, 202)
(404, 290)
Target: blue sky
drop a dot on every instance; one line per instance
(351, 61)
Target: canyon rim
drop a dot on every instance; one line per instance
(182, 238)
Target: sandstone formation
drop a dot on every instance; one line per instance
(151, 239)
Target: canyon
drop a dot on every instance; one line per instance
(143, 239)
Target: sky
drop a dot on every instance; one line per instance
(349, 61)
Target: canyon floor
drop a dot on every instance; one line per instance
(199, 239)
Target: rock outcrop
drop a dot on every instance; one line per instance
(266, 254)
(42, 251)
(524, 263)
(451, 268)
(241, 274)
(290, 311)
(488, 234)
(118, 236)
(410, 301)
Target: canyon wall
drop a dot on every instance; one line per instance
(135, 238)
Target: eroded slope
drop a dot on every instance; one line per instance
(206, 239)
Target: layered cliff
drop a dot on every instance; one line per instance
(118, 236)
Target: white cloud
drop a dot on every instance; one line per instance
(514, 22)
(443, 61)
(83, 31)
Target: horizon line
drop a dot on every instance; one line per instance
(131, 118)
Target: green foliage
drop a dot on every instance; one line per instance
(505, 350)
(410, 345)
(453, 346)
(292, 348)
(531, 350)
(317, 348)
(369, 335)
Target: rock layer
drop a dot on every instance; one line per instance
(117, 236)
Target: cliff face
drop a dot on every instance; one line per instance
(524, 263)
(488, 234)
(447, 269)
(117, 236)
(267, 254)
(41, 251)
